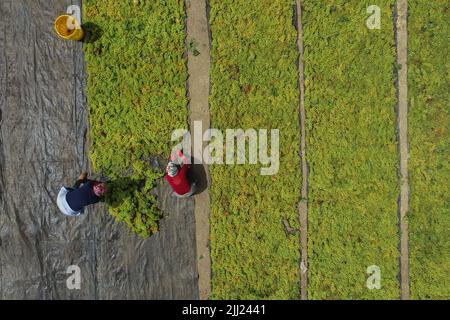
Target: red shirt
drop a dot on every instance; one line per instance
(180, 183)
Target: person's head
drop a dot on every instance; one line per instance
(100, 189)
(172, 169)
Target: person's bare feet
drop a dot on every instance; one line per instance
(83, 176)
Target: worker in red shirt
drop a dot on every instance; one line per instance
(177, 176)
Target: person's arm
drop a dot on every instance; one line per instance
(81, 179)
(179, 159)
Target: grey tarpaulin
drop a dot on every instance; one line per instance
(42, 147)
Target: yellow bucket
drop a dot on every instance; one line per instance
(67, 27)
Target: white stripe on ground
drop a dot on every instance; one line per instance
(402, 121)
(199, 83)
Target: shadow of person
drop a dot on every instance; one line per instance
(197, 174)
(93, 32)
(122, 189)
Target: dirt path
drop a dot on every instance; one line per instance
(199, 84)
(303, 205)
(402, 121)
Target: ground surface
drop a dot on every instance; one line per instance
(368, 106)
(43, 127)
(198, 67)
(402, 122)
